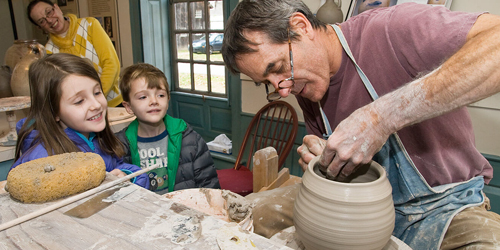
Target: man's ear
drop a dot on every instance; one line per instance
(128, 107)
(300, 24)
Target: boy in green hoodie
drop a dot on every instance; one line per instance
(155, 136)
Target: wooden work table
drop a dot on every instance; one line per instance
(141, 220)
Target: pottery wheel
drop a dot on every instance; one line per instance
(289, 238)
(14, 103)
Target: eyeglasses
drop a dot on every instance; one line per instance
(48, 14)
(285, 83)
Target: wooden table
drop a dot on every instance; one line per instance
(141, 220)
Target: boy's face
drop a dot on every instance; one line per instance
(149, 105)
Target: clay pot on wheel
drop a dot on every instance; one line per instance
(358, 214)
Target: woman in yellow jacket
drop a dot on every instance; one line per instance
(83, 37)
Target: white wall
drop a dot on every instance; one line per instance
(485, 114)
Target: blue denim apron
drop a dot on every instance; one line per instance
(423, 213)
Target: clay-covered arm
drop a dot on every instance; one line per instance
(471, 74)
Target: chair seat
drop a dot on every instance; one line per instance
(238, 181)
(274, 125)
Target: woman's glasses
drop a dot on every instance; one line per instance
(48, 14)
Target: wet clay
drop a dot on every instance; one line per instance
(238, 207)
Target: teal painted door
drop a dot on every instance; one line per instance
(208, 115)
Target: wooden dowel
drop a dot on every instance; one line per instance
(74, 198)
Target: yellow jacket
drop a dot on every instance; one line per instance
(86, 38)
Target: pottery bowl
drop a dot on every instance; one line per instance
(358, 214)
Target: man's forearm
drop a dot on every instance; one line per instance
(469, 75)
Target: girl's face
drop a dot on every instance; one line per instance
(82, 105)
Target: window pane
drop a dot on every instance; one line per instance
(218, 78)
(198, 15)
(182, 41)
(215, 46)
(198, 28)
(181, 17)
(216, 15)
(199, 47)
(200, 77)
(184, 72)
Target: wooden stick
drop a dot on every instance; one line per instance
(74, 198)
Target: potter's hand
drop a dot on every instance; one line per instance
(354, 141)
(311, 147)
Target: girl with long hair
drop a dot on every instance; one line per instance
(69, 114)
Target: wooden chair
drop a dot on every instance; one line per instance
(274, 125)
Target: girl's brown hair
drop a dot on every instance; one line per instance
(45, 78)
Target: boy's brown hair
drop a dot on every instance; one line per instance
(154, 77)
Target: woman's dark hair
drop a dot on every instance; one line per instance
(32, 5)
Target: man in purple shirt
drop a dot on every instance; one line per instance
(426, 63)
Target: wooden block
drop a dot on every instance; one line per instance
(291, 181)
(265, 167)
(283, 176)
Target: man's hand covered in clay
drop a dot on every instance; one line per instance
(354, 141)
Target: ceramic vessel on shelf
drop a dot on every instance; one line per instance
(330, 12)
(19, 82)
(357, 214)
(20, 48)
(5, 75)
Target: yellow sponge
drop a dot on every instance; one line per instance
(56, 176)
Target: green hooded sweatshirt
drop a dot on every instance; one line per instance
(174, 127)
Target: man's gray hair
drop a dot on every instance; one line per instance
(272, 17)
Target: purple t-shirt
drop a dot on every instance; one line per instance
(394, 46)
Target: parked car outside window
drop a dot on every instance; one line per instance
(215, 43)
